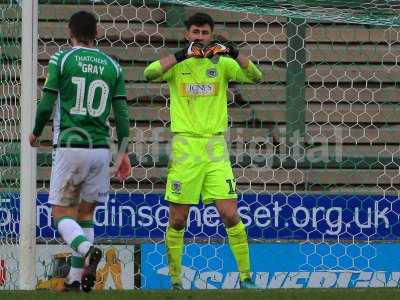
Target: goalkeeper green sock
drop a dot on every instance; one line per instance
(174, 244)
(240, 248)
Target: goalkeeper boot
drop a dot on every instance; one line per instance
(74, 286)
(92, 258)
(248, 284)
(177, 287)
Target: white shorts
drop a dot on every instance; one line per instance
(79, 173)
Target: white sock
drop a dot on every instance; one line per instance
(75, 274)
(73, 235)
(89, 232)
(77, 261)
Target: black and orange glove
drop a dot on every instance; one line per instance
(233, 49)
(218, 48)
(215, 48)
(194, 49)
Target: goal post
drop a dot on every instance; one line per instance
(27, 237)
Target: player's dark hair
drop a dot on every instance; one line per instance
(83, 26)
(199, 19)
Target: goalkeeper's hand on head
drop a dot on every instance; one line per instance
(218, 48)
(194, 49)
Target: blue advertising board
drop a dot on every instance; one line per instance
(274, 265)
(266, 216)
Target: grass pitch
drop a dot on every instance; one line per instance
(281, 294)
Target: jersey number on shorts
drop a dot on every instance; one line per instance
(78, 109)
(231, 182)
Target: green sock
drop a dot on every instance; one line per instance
(174, 244)
(240, 248)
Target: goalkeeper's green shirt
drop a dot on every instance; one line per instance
(86, 82)
(198, 91)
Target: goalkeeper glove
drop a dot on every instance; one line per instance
(233, 49)
(194, 49)
(217, 48)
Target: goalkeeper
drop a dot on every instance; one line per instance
(198, 77)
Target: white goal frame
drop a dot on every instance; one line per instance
(27, 238)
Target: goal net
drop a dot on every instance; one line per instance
(10, 91)
(314, 146)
